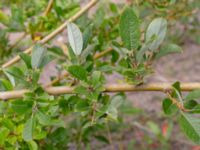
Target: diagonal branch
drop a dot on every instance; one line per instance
(162, 87)
(54, 33)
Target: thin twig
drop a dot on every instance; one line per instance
(103, 53)
(177, 103)
(48, 9)
(54, 33)
(162, 87)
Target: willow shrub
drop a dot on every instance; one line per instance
(42, 121)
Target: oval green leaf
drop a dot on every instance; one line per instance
(75, 38)
(38, 55)
(28, 130)
(194, 95)
(168, 107)
(78, 72)
(155, 33)
(168, 49)
(130, 29)
(190, 126)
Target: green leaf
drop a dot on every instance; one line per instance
(97, 79)
(190, 126)
(35, 77)
(194, 95)
(58, 135)
(112, 113)
(15, 72)
(3, 135)
(130, 29)
(75, 38)
(40, 135)
(57, 123)
(5, 84)
(141, 52)
(177, 86)
(4, 18)
(87, 35)
(195, 109)
(168, 49)
(8, 124)
(43, 118)
(78, 72)
(128, 109)
(32, 145)
(156, 32)
(177, 90)
(28, 130)
(82, 105)
(38, 55)
(99, 17)
(88, 51)
(27, 59)
(115, 56)
(168, 107)
(17, 19)
(102, 139)
(154, 127)
(3, 107)
(81, 90)
(21, 107)
(10, 77)
(113, 8)
(190, 104)
(117, 100)
(56, 50)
